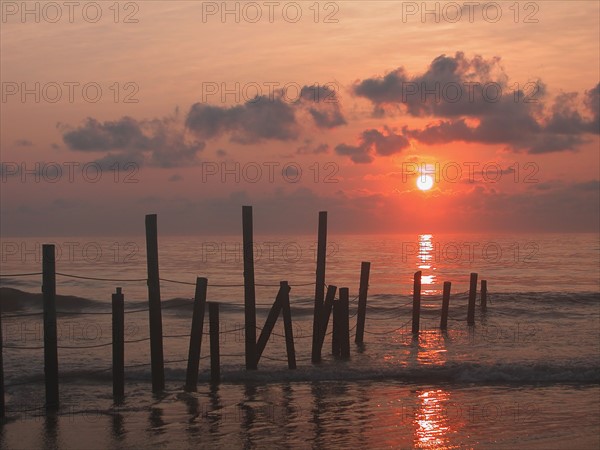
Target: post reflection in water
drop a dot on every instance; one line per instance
(425, 263)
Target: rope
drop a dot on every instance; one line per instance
(9, 275)
(101, 279)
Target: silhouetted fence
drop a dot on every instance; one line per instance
(326, 308)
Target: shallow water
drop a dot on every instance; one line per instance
(527, 375)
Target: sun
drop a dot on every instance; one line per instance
(424, 182)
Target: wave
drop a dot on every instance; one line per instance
(460, 373)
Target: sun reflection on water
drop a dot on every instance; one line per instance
(425, 263)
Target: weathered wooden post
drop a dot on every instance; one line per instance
(249, 289)
(287, 326)
(319, 286)
(118, 345)
(483, 294)
(336, 337)
(213, 329)
(326, 313)
(445, 305)
(472, 296)
(154, 307)
(416, 312)
(345, 323)
(191, 378)
(50, 340)
(2, 406)
(365, 268)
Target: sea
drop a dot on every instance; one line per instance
(525, 375)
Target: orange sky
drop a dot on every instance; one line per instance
(366, 139)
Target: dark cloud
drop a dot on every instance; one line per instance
(23, 143)
(250, 123)
(175, 177)
(309, 149)
(373, 142)
(461, 91)
(156, 142)
(266, 117)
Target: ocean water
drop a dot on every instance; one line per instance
(527, 375)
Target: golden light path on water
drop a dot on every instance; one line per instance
(426, 264)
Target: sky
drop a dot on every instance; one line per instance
(189, 110)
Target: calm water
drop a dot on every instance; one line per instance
(526, 376)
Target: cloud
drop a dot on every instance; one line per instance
(249, 123)
(307, 148)
(459, 91)
(23, 143)
(156, 142)
(373, 142)
(266, 117)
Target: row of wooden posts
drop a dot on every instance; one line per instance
(325, 307)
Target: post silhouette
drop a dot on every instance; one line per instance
(483, 295)
(191, 378)
(213, 328)
(344, 335)
(287, 326)
(154, 307)
(365, 268)
(336, 335)
(445, 305)
(319, 285)
(416, 312)
(326, 313)
(2, 406)
(50, 340)
(249, 289)
(472, 296)
(118, 345)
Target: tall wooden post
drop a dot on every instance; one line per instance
(445, 305)
(287, 325)
(118, 345)
(191, 379)
(483, 294)
(319, 285)
(249, 289)
(416, 312)
(336, 338)
(326, 313)
(50, 340)
(345, 323)
(472, 297)
(213, 329)
(155, 315)
(2, 406)
(365, 268)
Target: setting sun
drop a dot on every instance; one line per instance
(424, 182)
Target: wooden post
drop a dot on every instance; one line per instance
(249, 288)
(118, 345)
(365, 268)
(213, 328)
(326, 313)
(319, 285)
(2, 406)
(345, 323)
(416, 312)
(191, 379)
(50, 340)
(472, 296)
(287, 325)
(270, 322)
(483, 294)
(445, 305)
(336, 348)
(156, 339)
